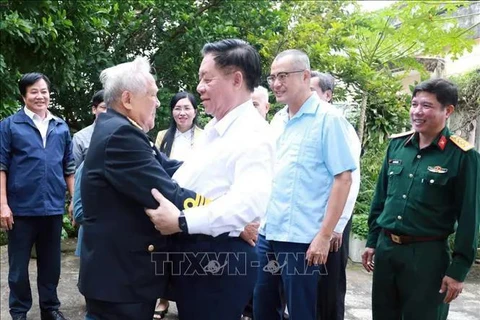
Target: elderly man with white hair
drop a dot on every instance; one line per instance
(122, 258)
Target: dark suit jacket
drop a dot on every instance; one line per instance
(121, 167)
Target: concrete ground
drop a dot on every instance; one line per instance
(358, 305)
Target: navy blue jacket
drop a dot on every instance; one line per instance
(123, 255)
(35, 175)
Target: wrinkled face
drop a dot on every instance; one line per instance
(37, 97)
(183, 114)
(427, 115)
(286, 88)
(215, 87)
(325, 96)
(142, 105)
(260, 103)
(100, 108)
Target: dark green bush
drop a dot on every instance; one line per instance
(3, 238)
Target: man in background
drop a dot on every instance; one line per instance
(332, 286)
(36, 168)
(81, 139)
(260, 101)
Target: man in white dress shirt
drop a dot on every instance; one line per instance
(233, 166)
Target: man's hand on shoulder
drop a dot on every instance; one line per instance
(165, 216)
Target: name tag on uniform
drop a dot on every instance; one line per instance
(437, 169)
(394, 161)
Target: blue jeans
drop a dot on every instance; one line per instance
(284, 262)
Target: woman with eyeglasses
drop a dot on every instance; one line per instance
(177, 142)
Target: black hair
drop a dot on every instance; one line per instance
(239, 54)
(29, 79)
(325, 80)
(97, 98)
(167, 141)
(445, 91)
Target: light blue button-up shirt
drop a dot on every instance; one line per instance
(312, 148)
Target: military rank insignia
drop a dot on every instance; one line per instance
(437, 169)
(198, 201)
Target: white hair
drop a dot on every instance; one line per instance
(129, 76)
(263, 91)
(299, 58)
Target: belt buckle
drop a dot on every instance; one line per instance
(396, 238)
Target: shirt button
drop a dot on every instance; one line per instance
(419, 156)
(432, 181)
(151, 248)
(410, 175)
(391, 172)
(399, 217)
(404, 196)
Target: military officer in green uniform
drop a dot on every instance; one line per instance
(428, 187)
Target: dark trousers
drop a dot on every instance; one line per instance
(284, 262)
(45, 233)
(104, 310)
(332, 287)
(407, 278)
(212, 278)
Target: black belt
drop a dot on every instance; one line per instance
(403, 239)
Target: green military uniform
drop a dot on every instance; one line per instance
(424, 194)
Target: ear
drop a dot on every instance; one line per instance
(237, 79)
(127, 100)
(93, 110)
(267, 106)
(329, 95)
(450, 109)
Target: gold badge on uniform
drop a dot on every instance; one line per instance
(437, 169)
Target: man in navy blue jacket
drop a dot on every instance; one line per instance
(36, 168)
(123, 256)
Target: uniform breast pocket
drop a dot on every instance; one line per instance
(434, 188)
(394, 174)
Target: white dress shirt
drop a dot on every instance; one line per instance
(232, 164)
(41, 124)
(182, 145)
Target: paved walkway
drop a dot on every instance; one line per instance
(466, 307)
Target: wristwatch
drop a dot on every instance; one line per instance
(182, 222)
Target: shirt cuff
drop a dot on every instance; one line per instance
(3, 167)
(457, 270)
(197, 221)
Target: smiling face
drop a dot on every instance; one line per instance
(215, 87)
(37, 98)
(294, 84)
(427, 115)
(183, 113)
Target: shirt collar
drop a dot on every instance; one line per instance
(440, 141)
(32, 115)
(222, 125)
(310, 106)
(134, 123)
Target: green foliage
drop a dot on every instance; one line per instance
(68, 231)
(360, 225)
(468, 91)
(3, 238)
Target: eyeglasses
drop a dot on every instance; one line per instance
(281, 76)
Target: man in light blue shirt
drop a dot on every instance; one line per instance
(309, 191)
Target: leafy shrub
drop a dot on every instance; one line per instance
(360, 225)
(3, 238)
